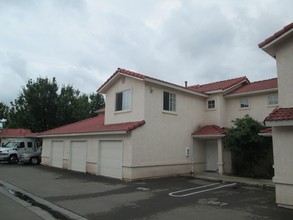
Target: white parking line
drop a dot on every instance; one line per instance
(174, 194)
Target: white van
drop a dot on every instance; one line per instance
(14, 148)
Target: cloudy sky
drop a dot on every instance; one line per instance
(82, 42)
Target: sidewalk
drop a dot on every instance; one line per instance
(264, 183)
(17, 203)
(13, 210)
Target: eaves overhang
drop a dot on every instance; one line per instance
(259, 92)
(265, 134)
(100, 133)
(280, 123)
(209, 136)
(113, 79)
(175, 87)
(125, 73)
(269, 45)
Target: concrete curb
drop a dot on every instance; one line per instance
(247, 181)
(10, 191)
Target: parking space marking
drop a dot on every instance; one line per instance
(209, 186)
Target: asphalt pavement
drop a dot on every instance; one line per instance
(40, 192)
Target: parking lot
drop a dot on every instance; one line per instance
(94, 197)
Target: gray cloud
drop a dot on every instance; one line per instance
(82, 42)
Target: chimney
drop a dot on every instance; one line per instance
(185, 84)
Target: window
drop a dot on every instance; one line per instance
(211, 104)
(20, 145)
(244, 103)
(123, 100)
(169, 102)
(29, 144)
(273, 99)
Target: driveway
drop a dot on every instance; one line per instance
(94, 197)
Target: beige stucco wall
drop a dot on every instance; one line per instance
(284, 58)
(283, 151)
(160, 144)
(136, 113)
(259, 108)
(215, 116)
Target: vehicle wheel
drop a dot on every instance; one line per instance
(34, 160)
(13, 159)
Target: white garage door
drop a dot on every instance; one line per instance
(111, 159)
(78, 156)
(57, 154)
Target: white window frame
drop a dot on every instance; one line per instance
(273, 100)
(172, 102)
(208, 104)
(125, 101)
(244, 101)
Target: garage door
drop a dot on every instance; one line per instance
(78, 156)
(57, 154)
(111, 159)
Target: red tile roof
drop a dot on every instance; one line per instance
(276, 35)
(220, 85)
(127, 72)
(142, 77)
(16, 132)
(93, 125)
(280, 114)
(257, 86)
(210, 130)
(131, 73)
(266, 130)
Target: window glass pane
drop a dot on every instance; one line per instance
(29, 144)
(21, 145)
(211, 104)
(169, 101)
(166, 101)
(172, 102)
(123, 100)
(273, 99)
(126, 100)
(119, 101)
(244, 103)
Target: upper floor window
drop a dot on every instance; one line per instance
(244, 102)
(273, 99)
(169, 102)
(211, 104)
(123, 100)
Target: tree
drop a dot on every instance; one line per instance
(4, 110)
(40, 107)
(97, 102)
(18, 114)
(247, 147)
(72, 106)
(36, 106)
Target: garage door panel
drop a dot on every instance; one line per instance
(111, 159)
(78, 156)
(57, 154)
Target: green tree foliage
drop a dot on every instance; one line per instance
(4, 110)
(36, 106)
(41, 107)
(73, 106)
(97, 101)
(247, 147)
